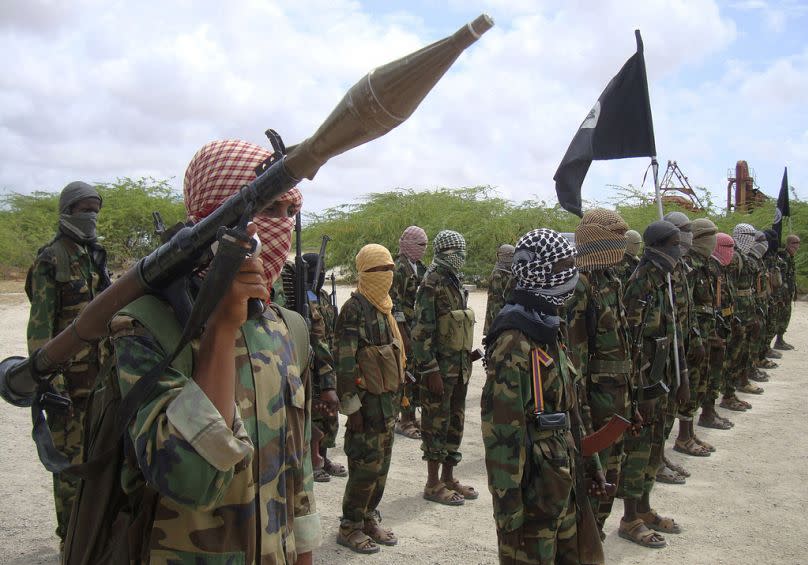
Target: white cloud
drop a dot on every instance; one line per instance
(104, 91)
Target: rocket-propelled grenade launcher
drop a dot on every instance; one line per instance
(379, 102)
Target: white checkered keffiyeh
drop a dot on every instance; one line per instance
(217, 171)
(536, 253)
(744, 236)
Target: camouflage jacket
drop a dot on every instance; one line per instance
(500, 286)
(689, 334)
(742, 276)
(703, 283)
(514, 447)
(724, 293)
(625, 269)
(789, 272)
(324, 377)
(231, 495)
(405, 285)
(648, 311)
(760, 284)
(439, 293)
(597, 328)
(57, 298)
(360, 325)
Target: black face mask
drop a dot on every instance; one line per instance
(79, 227)
(664, 257)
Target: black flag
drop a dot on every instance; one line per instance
(783, 208)
(618, 126)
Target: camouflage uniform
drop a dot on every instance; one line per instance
(626, 268)
(225, 495)
(789, 291)
(646, 302)
(323, 320)
(60, 289)
(406, 278)
(687, 337)
(500, 286)
(703, 320)
(600, 348)
(760, 288)
(723, 337)
(743, 276)
(442, 417)
(361, 326)
(530, 472)
(774, 270)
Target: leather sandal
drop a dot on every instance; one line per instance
(750, 388)
(468, 492)
(408, 429)
(669, 476)
(735, 404)
(334, 469)
(355, 539)
(691, 447)
(377, 533)
(704, 444)
(716, 422)
(321, 476)
(659, 523)
(637, 532)
(675, 467)
(442, 495)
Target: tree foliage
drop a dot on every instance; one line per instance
(28, 221)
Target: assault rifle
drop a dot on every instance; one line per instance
(379, 102)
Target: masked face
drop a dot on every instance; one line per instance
(455, 258)
(79, 226)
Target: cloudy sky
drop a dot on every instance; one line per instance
(97, 90)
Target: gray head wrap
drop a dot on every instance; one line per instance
(760, 246)
(504, 258)
(663, 256)
(75, 191)
(705, 237)
(633, 242)
(682, 222)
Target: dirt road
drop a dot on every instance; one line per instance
(740, 506)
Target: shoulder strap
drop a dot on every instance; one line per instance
(156, 317)
(300, 334)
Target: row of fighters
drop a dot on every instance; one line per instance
(583, 327)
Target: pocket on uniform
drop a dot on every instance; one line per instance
(551, 488)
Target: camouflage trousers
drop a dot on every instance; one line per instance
(784, 318)
(329, 426)
(698, 377)
(369, 454)
(542, 542)
(717, 351)
(409, 393)
(643, 456)
(66, 430)
(442, 420)
(608, 396)
(761, 343)
(738, 358)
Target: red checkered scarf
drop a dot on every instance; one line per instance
(219, 170)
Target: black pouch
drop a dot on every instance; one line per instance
(552, 421)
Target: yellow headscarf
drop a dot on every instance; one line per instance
(375, 287)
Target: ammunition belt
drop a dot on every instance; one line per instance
(536, 433)
(606, 366)
(744, 292)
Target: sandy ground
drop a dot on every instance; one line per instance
(740, 506)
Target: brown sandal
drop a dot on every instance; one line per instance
(659, 523)
(636, 531)
(669, 476)
(716, 422)
(675, 467)
(356, 540)
(408, 429)
(691, 447)
(384, 536)
(442, 495)
(735, 404)
(703, 443)
(468, 492)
